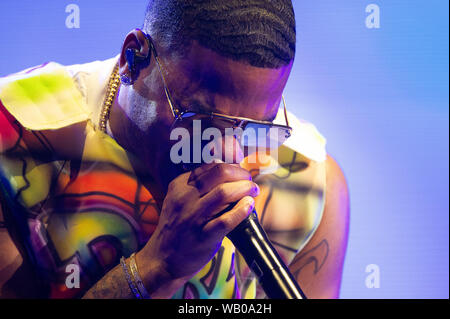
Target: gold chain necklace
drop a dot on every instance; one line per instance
(111, 92)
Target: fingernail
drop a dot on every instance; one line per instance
(256, 189)
(250, 205)
(217, 161)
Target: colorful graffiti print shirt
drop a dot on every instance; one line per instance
(70, 204)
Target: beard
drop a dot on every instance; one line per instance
(140, 110)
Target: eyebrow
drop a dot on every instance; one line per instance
(196, 105)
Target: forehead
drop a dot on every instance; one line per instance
(225, 85)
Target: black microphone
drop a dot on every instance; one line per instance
(275, 278)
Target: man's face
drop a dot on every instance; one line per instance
(200, 80)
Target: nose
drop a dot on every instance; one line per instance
(228, 149)
(258, 162)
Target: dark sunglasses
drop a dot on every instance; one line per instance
(251, 133)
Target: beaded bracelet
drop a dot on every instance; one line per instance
(134, 289)
(137, 279)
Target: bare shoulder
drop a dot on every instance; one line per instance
(318, 266)
(336, 215)
(337, 197)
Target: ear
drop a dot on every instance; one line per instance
(135, 54)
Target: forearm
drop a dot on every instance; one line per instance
(114, 284)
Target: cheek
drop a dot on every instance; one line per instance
(141, 111)
(150, 81)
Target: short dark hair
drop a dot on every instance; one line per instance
(259, 32)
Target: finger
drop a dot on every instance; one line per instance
(218, 174)
(226, 222)
(203, 168)
(225, 194)
(180, 184)
(206, 167)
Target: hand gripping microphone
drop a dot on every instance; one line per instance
(252, 242)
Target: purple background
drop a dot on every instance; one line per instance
(380, 97)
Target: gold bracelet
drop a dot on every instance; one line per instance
(137, 279)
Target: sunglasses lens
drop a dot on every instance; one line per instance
(264, 136)
(188, 115)
(254, 135)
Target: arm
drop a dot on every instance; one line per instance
(318, 267)
(115, 286)
(189, 232)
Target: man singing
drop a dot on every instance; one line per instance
(95, 201)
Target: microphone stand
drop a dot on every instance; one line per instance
(273, 275)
